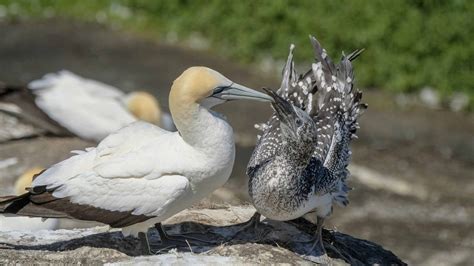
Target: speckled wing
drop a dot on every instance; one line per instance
(337, 107)
(295, 89)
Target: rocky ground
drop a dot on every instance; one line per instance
(273, 242)
(412, 168)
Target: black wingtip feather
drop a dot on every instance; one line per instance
(352, 56)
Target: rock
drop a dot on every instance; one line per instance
(273, 242)
(13, 128)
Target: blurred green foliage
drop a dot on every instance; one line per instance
(409, 43)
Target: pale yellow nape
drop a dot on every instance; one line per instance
(193, 85)
(144, 107)
(25, 180)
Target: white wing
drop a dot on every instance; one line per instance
(135, 169)
(90, 109)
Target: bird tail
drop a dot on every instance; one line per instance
(336, 108)
(12, 204)
(22, 205)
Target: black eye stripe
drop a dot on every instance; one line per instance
(220, 89)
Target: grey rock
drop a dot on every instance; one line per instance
(274, 242)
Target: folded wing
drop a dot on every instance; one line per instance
(126, 174)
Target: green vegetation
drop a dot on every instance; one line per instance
(409, 43)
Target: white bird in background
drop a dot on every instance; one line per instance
(141, 175)
(23, 223)
(24, 181)
(63, 102)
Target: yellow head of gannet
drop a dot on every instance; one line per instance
(203, 87)
(24, 181)
(144, 106)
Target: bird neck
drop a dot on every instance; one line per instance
(295, 153)
(200, 127)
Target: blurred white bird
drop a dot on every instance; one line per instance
(63, 102)
(24, 223)
(141, 175)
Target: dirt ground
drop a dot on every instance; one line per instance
(413, 168)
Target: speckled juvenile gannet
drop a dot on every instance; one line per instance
(299, 166)
(64, 103)
(141, 175)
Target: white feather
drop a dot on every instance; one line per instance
(145, 170)
(88, 108)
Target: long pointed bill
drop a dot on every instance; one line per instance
(284, 110)
(238, 92)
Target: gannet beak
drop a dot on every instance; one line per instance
(239, 92)
(284, 110)
(282, 107)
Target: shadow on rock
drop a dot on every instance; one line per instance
(295, 236)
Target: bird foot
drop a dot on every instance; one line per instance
(248, 227)
(144, 244)
(317, 253)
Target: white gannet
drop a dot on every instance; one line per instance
(23, 223)
(141, 175)
(64, 103)
(299, 165)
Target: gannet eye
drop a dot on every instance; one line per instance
(218, 90)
